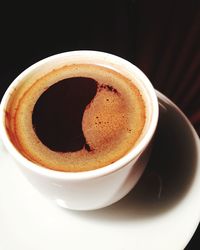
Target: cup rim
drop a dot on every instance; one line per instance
(123, 161)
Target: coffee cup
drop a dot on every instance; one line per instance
(80, 126)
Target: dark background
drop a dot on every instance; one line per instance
(160, 37)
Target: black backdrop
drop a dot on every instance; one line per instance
(160, 37)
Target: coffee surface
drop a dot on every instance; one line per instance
(76, 118)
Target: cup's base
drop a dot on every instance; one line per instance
(136, 172)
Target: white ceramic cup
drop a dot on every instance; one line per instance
(96, 188)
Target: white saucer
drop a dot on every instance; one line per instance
(162, 212)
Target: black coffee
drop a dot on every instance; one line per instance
(76, 118)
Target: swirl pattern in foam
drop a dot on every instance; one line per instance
(111, 122)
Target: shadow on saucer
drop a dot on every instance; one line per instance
(168, 175)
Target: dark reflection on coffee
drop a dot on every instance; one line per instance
(57, 115)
